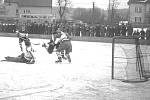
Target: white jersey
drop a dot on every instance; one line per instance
(62, 37)
(28, 56)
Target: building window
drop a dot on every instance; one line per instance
(148, 20)
(17, 11)
(138, 19)
(26, 11)
(138, 10)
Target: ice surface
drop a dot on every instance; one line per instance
(88, 77)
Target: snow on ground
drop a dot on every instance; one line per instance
(88, 77)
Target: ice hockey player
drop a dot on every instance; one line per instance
(64, 41)
(27, 55)
(51, 46)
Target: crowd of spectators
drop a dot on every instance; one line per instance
(9, 28)
(96, 30)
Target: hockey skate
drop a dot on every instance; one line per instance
(59, 60)
(43, 45)
(32, 61)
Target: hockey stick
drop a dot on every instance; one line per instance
(36, 43)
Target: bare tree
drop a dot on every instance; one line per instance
(84, 15)
(113, 4)
(62, 8)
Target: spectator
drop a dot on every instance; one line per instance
(142, 34)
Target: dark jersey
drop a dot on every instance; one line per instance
(27, 42)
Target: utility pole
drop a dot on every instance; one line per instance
(93, 12)
(109, 20)
(9, 3)
(111, 10)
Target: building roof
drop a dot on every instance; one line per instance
(11, 1)
(138, 1)
(36, 3)
(32, 3)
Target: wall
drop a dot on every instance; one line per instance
(10, 10)
(148, 13)
(133, 14)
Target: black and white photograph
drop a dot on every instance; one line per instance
(74, 50)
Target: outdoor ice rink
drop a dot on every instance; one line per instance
(88, 77)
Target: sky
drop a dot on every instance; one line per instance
(98, 3)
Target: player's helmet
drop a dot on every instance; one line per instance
(58, 30)
(22, 35)
(17, 33)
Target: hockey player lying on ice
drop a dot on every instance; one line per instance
(62, 42)
(27, 55)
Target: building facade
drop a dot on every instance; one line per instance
(27, 11)
(139, 13)
(8, 11)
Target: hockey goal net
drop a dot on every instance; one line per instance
(130, 59)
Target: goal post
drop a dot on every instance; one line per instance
(127, 59)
